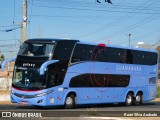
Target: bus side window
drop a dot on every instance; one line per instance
(82, 52)
(129, 57)
(75, 56)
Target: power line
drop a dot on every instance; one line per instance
(2, 40)
(14, 34)
(120, 19)
(68, 3)
(147, 34)
(97, 10)
(142, 36)
(8, 45)
(84, 3)
(128, 28)
(10, 29)
(30, 16)
(3, 26)
(144, 21)
(89, 22)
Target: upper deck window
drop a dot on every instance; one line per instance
(36, 49)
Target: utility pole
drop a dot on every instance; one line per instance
(24, 22)
(9, 71)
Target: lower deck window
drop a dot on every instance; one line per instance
(100, 80)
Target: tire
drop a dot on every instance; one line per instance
(70, 102)
(138, 99)
(129, 99)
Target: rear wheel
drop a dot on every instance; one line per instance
(70, 102)
(129, 99)
(138, 99)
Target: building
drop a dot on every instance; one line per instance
(143, 45)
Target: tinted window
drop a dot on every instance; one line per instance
(115, 55)
(84, 52)
(28, 79)
(100, 80)
(63, 50)
(38, 49)
(144, 58)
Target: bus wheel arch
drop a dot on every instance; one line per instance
(138, 98)
(70, 100)
(129, 98)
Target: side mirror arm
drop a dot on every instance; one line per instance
(44, 66)
(5, 62)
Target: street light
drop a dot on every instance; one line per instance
(129, 38)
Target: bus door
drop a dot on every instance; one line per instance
(55, 79)
(152, 87)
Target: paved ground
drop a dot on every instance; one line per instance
(149, 110)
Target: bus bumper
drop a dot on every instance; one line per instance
(46, 100)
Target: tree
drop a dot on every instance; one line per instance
(2, 57)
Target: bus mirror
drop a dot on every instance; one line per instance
(5, 62)
(44, 66)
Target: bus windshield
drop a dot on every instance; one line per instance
(28, 79)
(36, 49)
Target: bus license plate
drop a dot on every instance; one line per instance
(24, 103)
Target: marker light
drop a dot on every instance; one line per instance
(101, 45)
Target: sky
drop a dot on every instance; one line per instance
(84, 20)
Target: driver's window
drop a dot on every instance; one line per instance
(53, 80)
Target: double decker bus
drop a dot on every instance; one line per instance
(55, 72)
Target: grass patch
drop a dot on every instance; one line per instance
(158, 92)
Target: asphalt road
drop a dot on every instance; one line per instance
(150, 109)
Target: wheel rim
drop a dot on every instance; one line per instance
(69, 101)
(138, 98)
(129, 99)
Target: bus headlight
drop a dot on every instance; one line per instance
(45, 93)
(12, 92)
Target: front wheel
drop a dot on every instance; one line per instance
(70, 102)
(129, 99)
(138, 99)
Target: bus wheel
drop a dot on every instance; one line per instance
(138, 99)
(70, 102)
(129, 99)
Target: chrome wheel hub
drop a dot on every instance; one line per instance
(69, 101)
